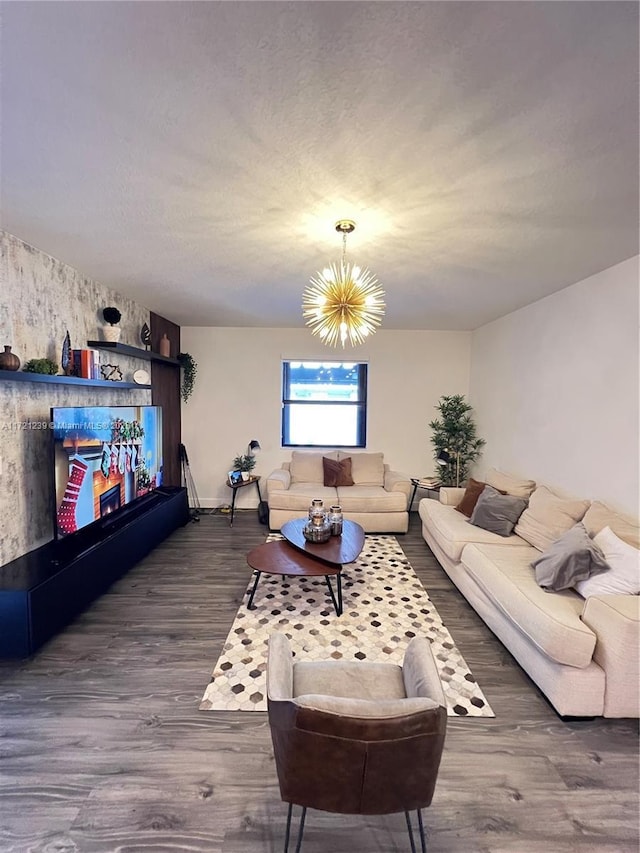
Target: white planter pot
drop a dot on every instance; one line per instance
(111, 333)
(245, 475)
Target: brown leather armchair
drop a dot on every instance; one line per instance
(356, 738)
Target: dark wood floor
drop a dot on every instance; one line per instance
(102, 746)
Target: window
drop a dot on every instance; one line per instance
(324, 404)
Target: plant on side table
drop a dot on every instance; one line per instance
(245, 464)
(454, 436)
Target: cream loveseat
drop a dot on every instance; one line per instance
(377, 499)
(582, 653)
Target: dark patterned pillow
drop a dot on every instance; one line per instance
(337, 473)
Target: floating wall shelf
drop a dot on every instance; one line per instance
(134, 352)
(21, 376)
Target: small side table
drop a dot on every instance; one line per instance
(252, 481)
(416, 483)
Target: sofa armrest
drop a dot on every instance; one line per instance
(396, 482)
(450, 495)
(280, 479)
(615, 620)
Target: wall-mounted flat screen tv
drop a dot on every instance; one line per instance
(105, 458)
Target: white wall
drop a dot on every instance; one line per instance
(237, 397)
(555, 389)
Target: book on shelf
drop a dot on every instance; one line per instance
(429, 483)
(84, 363)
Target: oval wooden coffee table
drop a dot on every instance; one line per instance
(293, 556)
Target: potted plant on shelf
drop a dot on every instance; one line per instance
(41, 365)
(189, 369)
(454, 438)
(245, 464)
(112, 331)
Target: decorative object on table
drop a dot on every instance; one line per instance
(335, 519)
(41, 365)
(165, 346)
(235, 477)
(111, 372)
(245, 463)
(65, 358)
(344, 301)
(318, 528)
(9, 360)
(112, 331)
(454, 439)
(145, 336)
(189, 370)
(141, 377)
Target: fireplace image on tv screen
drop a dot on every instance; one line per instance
(105, 458)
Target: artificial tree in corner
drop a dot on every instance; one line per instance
(455, 432)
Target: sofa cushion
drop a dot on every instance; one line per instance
(306, 466)
(599, 516)
(349, 679)
(497, 512)
(370, 499)
(551, 620)
(452, 530)
(548, 516)
(515, 486)
(470, 498)
(623, 561)
(367, 469)
(337, 473)
(571, 558)
(299, 496)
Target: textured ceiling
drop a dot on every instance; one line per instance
(195, 156)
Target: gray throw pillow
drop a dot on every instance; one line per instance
(571, 558)
(496, 512)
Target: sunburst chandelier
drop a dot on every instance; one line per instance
(344, 301)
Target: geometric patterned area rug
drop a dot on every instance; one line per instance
(385, 605)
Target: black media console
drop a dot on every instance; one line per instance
(41, 592)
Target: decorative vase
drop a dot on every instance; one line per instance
(335, 518)
(318, 528)
(9, 360)
(165, 346)
(111, 333)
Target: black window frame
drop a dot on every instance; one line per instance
(360, 404)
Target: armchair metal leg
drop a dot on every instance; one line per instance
(288, 832)
(410, 831)
(423, 840)
(301, 830)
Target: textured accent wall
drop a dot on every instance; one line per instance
(40, 299)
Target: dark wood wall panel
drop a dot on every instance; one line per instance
(165, 379)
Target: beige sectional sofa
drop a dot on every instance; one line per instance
(584, 654)
(377, 500)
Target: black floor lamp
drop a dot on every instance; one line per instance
(445, 456)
